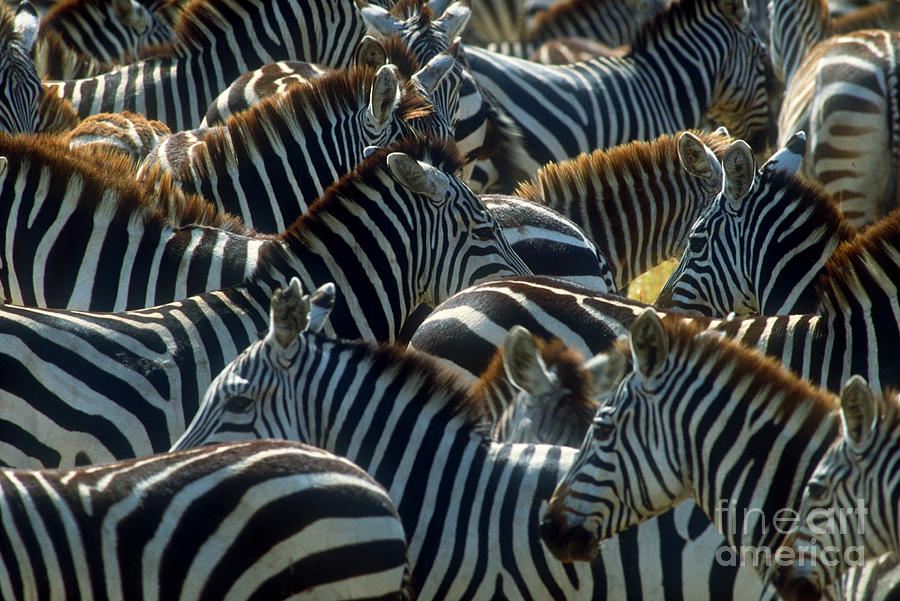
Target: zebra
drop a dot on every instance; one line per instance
(20, 86)
(855, 481)
(661, 439)
(636, 201)
(238, 521)
(470, 507)
(88, 387)
(852, 331)
(112, 31)
(565, 110)
(760, 248)
(72, 221)
(843, 90)
(208, 53)
(608, 23)
(269, 163)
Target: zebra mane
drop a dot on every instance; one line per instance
(196, 25)
(564, 361)
(573, 177)
(774, 385)
(440, 153)
(420, 9)
(103, 171)
(673, 17)
(298, 111)
(435, 379)
(55, 115)
(867, 262)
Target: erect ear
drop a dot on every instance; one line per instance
(418, 177)
(522, 361)
(436, 69)
(320, 302)
(133, 14)
(26, 23)
(384, 96)
(736, 11)
(378, 20)
(438, 6)
(859, 412)
(788, 158)
(4, 163)
(740, 169)
(369, 53)
(649, 342)
(699, 160)
(453, 20)
(287, 314)
(606, 370)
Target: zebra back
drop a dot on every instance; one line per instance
(856, 479)
(20, 86)
(636, 201)
(72, 217)
(112, 31)
(233, 521)
(177, 81)
(761, 246)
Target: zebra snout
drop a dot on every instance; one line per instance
(794, 586)
(566, 541)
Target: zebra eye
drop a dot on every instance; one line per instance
(603, 430)
(484, 233)
(696, 244)
(238, 404)
(816, 491)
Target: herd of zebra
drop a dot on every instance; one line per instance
(326, 299)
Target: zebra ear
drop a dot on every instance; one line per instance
(4, 163)
(522, 362)
(384, 96)
(649, 342)
(859, 412)
(788, 158)
(416, 176)
(736, 11)
(606, 371)
(26, 24)
(436, 69)
(740, 169)
(369, 53)
(453, 20)
(321, 302)
(287, 314)
(698, 160)
(379, 20)
(132, 14)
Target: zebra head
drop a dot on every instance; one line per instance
(230, 409)
(556, 390)
(850, 504)
(742, 98)
(714, 277)
(624, 472)
(20, 86)
(461, 242)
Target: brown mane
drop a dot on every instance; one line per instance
(102, 172)
(868, 260)
(420, 9)
(299, 110)
(573, 176)
(773, 384)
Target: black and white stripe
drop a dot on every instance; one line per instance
(93, 387)
(466, 503)
(112, 31)
(699, 57)
(269, 519)
(20, 86)
(761, 247)
(210, 51)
